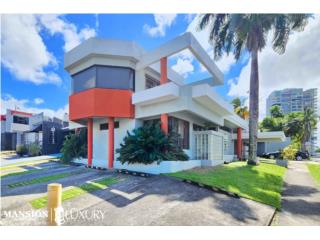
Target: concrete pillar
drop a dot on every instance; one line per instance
(163, 80)
(163, 70)
(89, 140)
(164, 123)
(239, 143)
(110, 142)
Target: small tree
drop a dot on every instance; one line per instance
(34, 149)
(74, 146)
(149, 144)
(276, 112)
(21, 150)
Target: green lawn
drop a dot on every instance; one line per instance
(261, 183)
(314, 170)
(43, 179)
(77, 191)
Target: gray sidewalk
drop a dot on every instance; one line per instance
(5, 162)
(300, 198)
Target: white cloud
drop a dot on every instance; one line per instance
(9, 102)
(183, 66)
(163, 21)
(224, 64)
(38, 101)
(24, 52)
(71, 35)
(299, 67)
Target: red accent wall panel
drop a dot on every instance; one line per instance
(100, 102)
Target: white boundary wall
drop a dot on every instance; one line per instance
(154, 168)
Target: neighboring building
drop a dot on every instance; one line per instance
(19, 127)
(117, 86)
(295, 100)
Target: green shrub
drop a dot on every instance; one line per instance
(21, 150)
(74, 146)
(289, 152)
(34, 149)
(149, 144)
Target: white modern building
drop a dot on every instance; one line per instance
(118, 86)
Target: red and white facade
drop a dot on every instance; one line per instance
(118, 86)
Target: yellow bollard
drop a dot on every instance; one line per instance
(54, 203)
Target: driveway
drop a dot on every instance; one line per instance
(156, 200)
(300, 198)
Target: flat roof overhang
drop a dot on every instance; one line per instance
(178, 44)
(204, 95)
(276, 136)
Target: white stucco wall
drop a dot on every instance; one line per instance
(100, 137)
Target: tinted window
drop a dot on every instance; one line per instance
(84, 80)
(105, 126)
(114, 77)
(180, 127)
(103, 77)
(21, 120)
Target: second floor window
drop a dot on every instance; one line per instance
(99, 76)
(21, 120)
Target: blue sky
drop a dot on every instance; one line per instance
(33, 78)
(133, 27)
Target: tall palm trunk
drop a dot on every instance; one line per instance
(254, 108)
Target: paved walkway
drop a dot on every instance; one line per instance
(300, 198)
(134, 200)
(15, 160)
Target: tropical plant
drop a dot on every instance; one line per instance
(34, 149)
(239, 108)
(74, 146)
(275, 112)
(149, 144)
(293, 125)
(21, 150)
(239, 32)
(309, 123)
(271, 124)
(289, 152)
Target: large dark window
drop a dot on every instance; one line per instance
(180, 127)
(103, 77)
(21, 120)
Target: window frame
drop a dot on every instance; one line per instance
(96, 75)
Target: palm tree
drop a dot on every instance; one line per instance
(309, 123)
(240, 32)
(239, 108)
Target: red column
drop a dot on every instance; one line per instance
(111, 142)
(239, 143)
(163, 70)
(163, 80)
(164, 123)
(89, 140)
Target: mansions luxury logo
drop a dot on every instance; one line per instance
(62, 215)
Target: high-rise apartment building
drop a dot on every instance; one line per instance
(294, 100)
